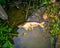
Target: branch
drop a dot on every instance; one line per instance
(28, 9)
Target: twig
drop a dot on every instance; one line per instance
(28, 9)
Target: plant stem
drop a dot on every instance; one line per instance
(28, 9)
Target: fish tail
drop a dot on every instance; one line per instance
(41, 24)
(19, 26)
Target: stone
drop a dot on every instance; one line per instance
(35, 38)
(3, 14)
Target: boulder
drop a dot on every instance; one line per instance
(35, 38)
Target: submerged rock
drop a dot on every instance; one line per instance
(33, 19)
(35, 38)
(3, 14)
(37, 15)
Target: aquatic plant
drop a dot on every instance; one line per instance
(5, 30)
(54, 31)
(53, 20)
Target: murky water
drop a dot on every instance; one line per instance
(36, 38)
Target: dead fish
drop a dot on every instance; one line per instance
(31, 25)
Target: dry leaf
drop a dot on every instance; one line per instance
(45, 16)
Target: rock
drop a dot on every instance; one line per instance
(33, 19)
(37, 15)
(3, 14)
(35, 38)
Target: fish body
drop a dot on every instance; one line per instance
(31, 25)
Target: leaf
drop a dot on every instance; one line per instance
(45, 3)
(4, 28)
(9, 29)
(45, 16)
(53, 1)
(7, 44)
